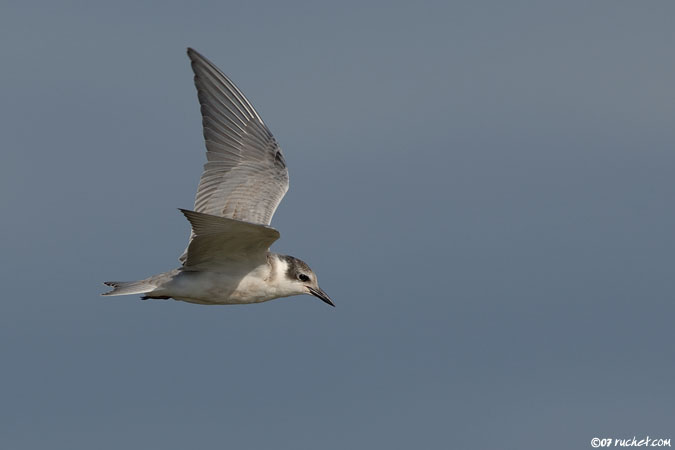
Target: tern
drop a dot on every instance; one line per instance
(227, 260)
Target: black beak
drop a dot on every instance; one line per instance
(318, 292)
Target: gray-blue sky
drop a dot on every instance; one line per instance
(485, 190)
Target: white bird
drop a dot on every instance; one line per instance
(227, 260)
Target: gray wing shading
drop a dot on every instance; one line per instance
(245, 177)
(219, 241)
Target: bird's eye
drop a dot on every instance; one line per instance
(302, 277)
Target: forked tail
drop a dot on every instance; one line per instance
(129, 287)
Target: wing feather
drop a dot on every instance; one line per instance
(219, 242)
(245, 176)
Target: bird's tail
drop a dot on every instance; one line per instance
(129, 287)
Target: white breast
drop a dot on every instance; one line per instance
(264, 283)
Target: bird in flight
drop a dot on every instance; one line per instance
(227, 260)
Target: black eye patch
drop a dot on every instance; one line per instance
(303, 277)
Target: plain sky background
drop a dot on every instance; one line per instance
(485, 189)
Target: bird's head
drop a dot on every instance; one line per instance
(302, 279)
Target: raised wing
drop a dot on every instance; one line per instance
(221, 242)
(245, 177)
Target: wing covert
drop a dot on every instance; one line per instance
(219, 241)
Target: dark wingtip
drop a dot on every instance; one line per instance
(194, 55)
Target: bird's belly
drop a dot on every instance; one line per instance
(211, 288)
